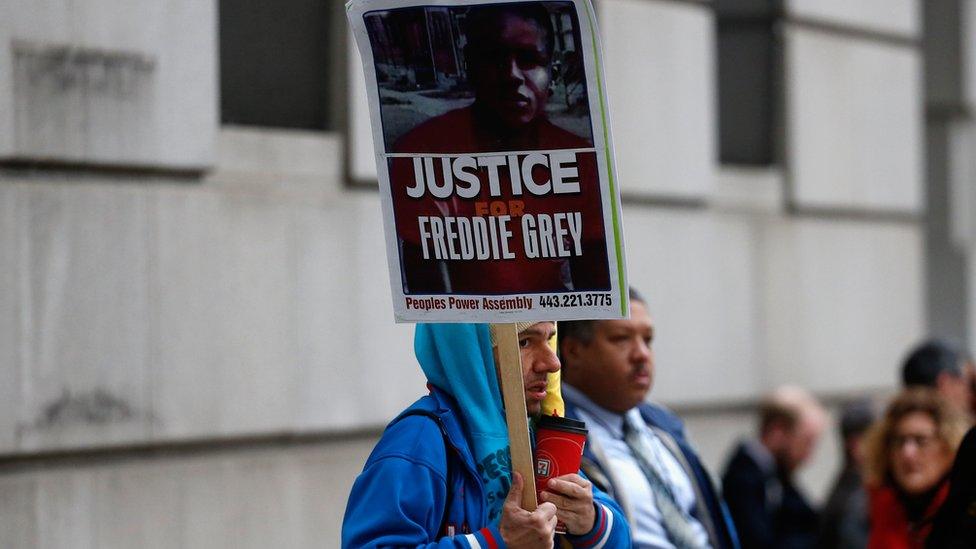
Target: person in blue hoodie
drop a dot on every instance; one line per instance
(440, 476)
(635, 450)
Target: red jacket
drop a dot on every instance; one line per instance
(890, 526)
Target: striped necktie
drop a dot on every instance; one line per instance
(677, 524)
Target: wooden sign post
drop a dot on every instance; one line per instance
(516, 415)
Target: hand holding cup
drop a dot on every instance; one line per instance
(573, 497)
(521, 529)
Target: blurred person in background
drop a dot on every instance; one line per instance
(767, 507)
(937, 364)
(908, 456)
(954, 526)
(969, 367)
(844, 521)
(636, 450)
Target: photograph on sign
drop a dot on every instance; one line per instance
(494, 160)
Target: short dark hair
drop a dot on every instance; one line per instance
(929, 359)
(856, 417)
(479, 18)
(772, 412)
(582, 330)
(787, 406)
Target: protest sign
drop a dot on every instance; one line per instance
(494, 159)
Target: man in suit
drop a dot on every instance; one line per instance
(637, 451)
(768, 509)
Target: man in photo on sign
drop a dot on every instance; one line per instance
(440, 476)
(636, 450)
(509, 55)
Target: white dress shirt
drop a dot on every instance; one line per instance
(606, 433)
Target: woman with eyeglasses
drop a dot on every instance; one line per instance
(909, 454)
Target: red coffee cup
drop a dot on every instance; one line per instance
(559, 443)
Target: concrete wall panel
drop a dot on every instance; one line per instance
(660, 68)
(248, 304)
(67, 509)
(303, 267)
(359, 147)
(18, 513)
(854, 118)
(967, 51)
(137, 507)
(11, 304)
(900, 17)
(357, 366)
(85, 344)
(843, 302)
(224, 315)
(696, 270)
(105, 83)
(276, 497)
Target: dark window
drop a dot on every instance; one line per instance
(275, 61)
(747, 80)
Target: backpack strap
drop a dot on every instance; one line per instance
(450, 454)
